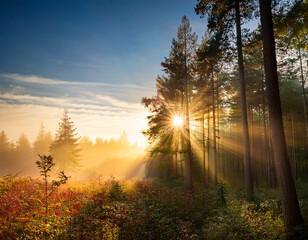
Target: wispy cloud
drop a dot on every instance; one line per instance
(50, 81)
(116, 102)
(97, 111)
(93, 104)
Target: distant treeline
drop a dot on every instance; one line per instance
(95, 159)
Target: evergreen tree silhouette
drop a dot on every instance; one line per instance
(43, 140)
(65, 148)
(123, 139)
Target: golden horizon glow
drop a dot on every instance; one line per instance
(177, 121)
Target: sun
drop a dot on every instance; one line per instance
(177, 121)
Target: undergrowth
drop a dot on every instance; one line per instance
(140, 209)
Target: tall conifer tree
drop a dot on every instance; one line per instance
(65, 148)
(42, 142)
(222, 16)
(291, 210)
(187, 42)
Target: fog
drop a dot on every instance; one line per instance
(79, 157)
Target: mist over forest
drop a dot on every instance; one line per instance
(78, 156)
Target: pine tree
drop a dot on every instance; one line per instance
(65, 148)
(222, 17)
(173, 96)
(187, 42)
(5, 152)
(290, 205)
(4, 142)
(292, 28)
(123, 139)
(208, 56)
(22, 155)
(23, 144)
(43, 141)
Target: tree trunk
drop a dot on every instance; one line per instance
(304, 93)
(251, 134)
(218, 154)
(252, 150)
(176, 164)
(203, 148)
(182, 140)
(265, 139)
(187, 135)
(177, 142)
(293, 148)
(247, 166)
(214, 130)
(292, 214)
(208, 145)
(273, 178)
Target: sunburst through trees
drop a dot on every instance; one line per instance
(210, 125)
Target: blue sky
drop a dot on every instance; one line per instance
(102, 41)
(96, 58)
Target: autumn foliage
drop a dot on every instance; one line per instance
(136, 210)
